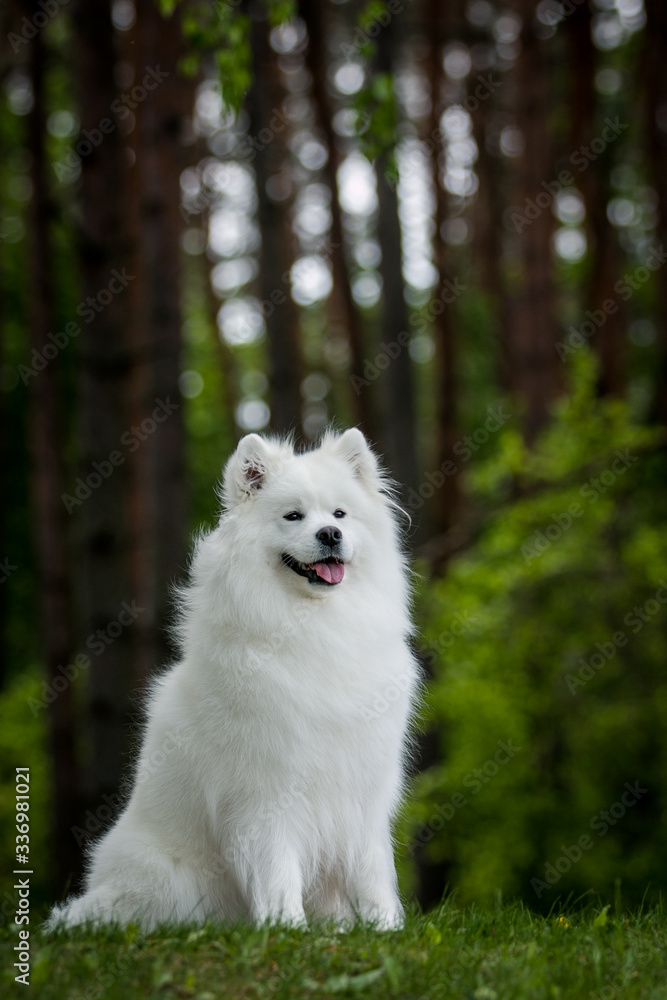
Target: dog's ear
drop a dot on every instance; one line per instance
(353, 447)
(246, 470)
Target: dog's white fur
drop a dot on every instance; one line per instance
(274, 753)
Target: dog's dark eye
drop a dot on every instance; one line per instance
(339, 513)
(294, 515)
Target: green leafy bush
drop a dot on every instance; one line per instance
(549, 635)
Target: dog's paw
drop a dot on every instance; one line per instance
(389, 921)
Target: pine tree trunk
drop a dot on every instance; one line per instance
(535, 367)
(488, 235)
(276, 258)
(447, 504)
(101, 520)
(609, 339)
(398, 436)
(344, 308)
(656, 102)
(159, 487)
(47, 482)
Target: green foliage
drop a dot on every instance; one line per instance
(222, 28)
(208, 415)
(520, 629)
(549, 635)
(233, 57)
(281, 10)
(505, 952)
(375, 105)
(377, 121)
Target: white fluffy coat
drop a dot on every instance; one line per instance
(274, 753)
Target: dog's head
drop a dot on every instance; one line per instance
(317, 515)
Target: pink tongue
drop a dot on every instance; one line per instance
(331, 572)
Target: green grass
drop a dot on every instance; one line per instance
(497, 954)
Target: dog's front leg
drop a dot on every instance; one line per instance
(372, 888)
(276, 896)
(272, 882)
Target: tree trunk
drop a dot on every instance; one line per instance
(446, 506)
(488, 236)
(343, 302)
(534, 362)
(398, 435)
(159, 486)
(656, 102)
(102, 518)
(609, 340)
(398, 432)
(224, 354)
(276, 259)
(49, 517)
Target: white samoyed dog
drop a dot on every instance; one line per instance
(274, 753)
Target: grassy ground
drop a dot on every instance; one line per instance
(502, 954)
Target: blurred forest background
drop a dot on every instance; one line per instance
(443, 222)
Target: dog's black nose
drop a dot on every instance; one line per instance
(330, 536)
